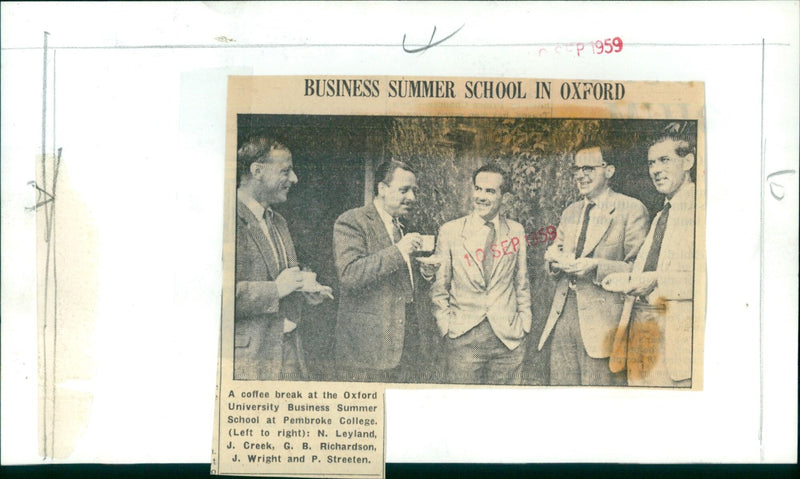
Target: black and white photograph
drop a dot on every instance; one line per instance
(465, 250)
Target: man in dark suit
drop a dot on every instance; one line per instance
(597, 235)
(268, 306)
(377, 333)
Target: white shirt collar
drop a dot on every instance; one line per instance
(478, 219)
(600, 200)
(684, 194)
(388, 220)
(254, 206)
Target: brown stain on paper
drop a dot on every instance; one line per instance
(644, 343)
(661, 305)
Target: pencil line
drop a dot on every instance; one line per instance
(52, 236)
(47, 255)
(761, 275)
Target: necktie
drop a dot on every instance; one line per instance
(584, 227)
(658, 236)
(397, 230)
(488, 256)
(282, 255)
(397, 235)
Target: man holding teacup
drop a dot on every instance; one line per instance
(270, 288)
(378, 334)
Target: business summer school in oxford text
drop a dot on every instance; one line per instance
(467, 89)
(542, 238)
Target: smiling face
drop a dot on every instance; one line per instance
(400, 193)
(273, 178)
(668, 170)
(487, 194)
(591, 173)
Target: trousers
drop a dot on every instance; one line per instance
(479, 357)
(570, 365)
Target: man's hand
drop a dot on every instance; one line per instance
(642, 284)
(316, 297)
(556, 259)
(580, 267)
(289, 281)
(552, 254)
(617, 282)
(409, 244)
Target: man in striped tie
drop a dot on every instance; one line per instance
(268, 305)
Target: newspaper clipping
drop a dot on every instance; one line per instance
(458, 232)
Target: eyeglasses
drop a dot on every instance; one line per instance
(586, 170)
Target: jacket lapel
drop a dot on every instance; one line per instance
(473, 240)
(257, 235)
(378, 228)
(597, 228)
(384, 240)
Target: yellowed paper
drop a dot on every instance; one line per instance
(63, 322)
(548, 233)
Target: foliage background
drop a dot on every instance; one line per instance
(334, 155)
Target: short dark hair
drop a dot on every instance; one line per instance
(385, 172)
(684, 133)
(255, 150)
(494, 167)
(605, 153)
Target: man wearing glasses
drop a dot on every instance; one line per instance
(599, 234)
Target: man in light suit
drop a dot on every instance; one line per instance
(267, 304)
(660, 286)
(597, 235)
(377, 332)
(481, 293)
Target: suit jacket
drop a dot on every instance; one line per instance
(675, 280)
(374, 289)
(617, 227)
(259, 313)
(460, 294)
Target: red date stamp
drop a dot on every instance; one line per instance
(604, 46)
(510, 246)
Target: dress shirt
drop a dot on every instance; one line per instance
(485, 230)
(683, 197)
